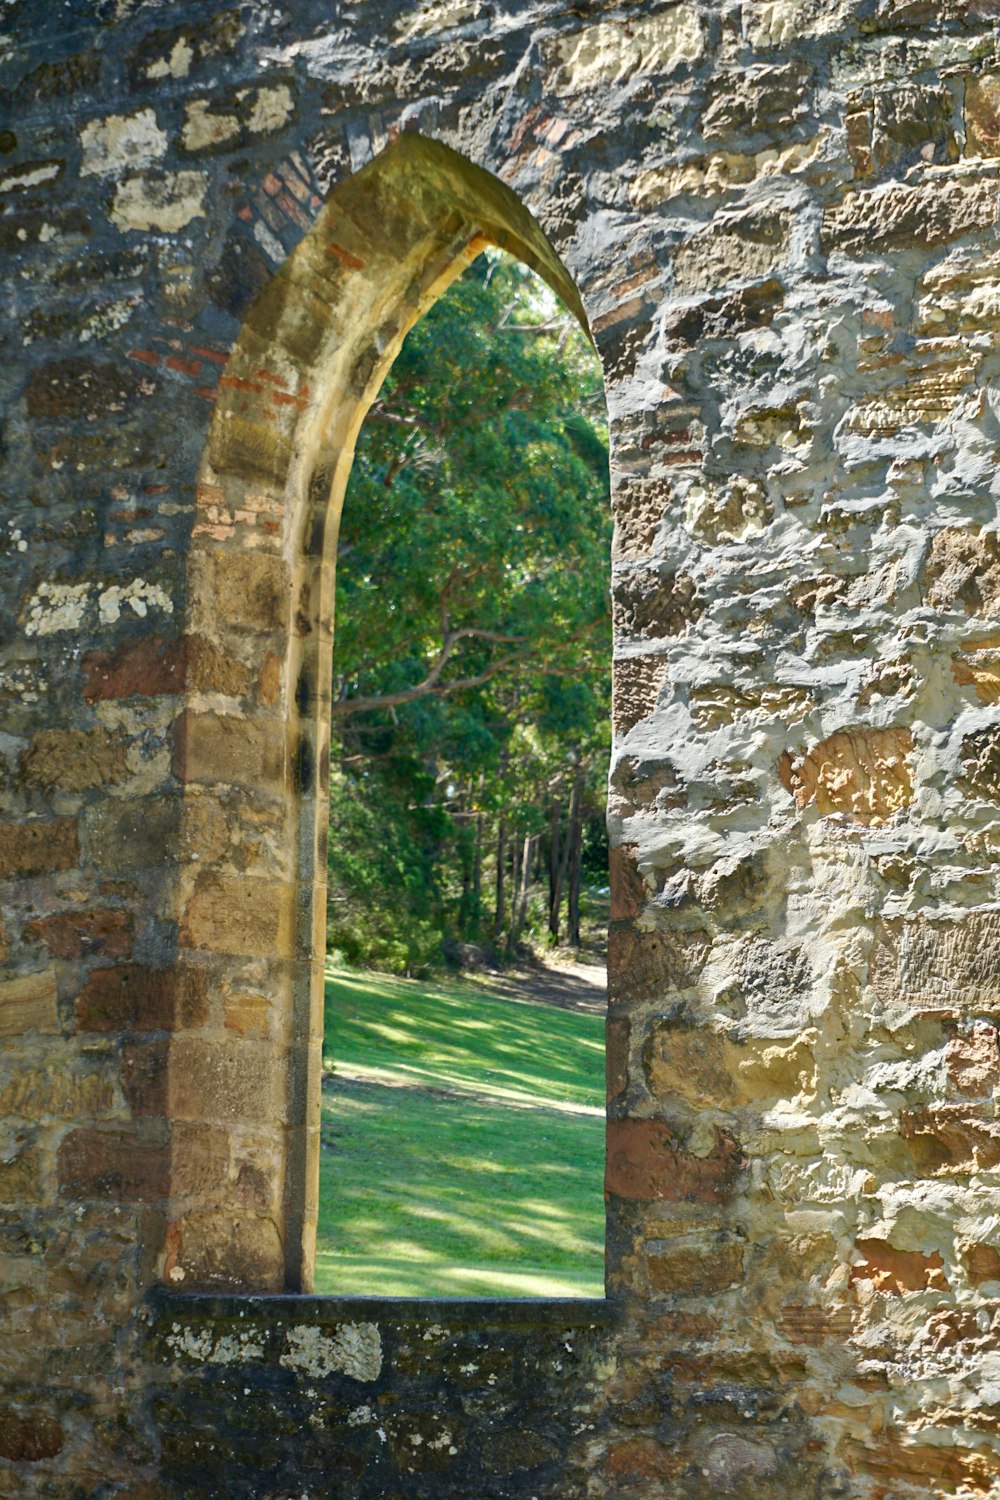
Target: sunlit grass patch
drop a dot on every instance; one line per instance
(462, 1143)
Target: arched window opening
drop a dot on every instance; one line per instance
(462, 1136)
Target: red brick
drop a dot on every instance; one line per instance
(83, 934)
(646, 1162)
(38, 848)
(113, 1165)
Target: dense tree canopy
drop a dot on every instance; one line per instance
(471, 665)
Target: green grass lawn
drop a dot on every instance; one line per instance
(462, 1143)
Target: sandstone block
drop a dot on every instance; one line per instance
(617, 1033)
(75, 760)
(113, 1165)
(949, 966)
(693, 1266)
(238, 1252)
(648, 965)
(28, 1436)
(247, 589)
(226, 1082)
(897, 217)
(28, 1004)
(144, 1076)
(231, 915)
(607, 52)
(981, 1261)
(897, 1271)
(863, 774)
(246, 1014)
(119, 142)
(636, 684)
(166, 203)
(133, 834)
(982, 115)
(101, 933)
(748, 247)
(37, 848)
(148, 668)
(646, 1162)
(69, 1090)
(249, 752)
(972, 1059)
(132, 998)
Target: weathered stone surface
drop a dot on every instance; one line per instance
(75, 760)
(649, 965)
(863, 774)
(951, 965)
(37, 848)
(646, 1161)
(895, 216)
(102, 932)
(28, 1004)
(781, 218)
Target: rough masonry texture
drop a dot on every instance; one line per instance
(779, 220)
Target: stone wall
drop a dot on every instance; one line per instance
(779, 219)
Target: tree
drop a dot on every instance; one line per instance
(472, 640)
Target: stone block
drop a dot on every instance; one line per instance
(148, 668)
(132, 998)
(646, 1162)
(899, 217)
(972, 1059)
(226, 1251)
(945, 967)
(981, 1261)
(862, 774)
(227, 1082)
(131, 835)
(75, 760)
(982, 115)
(649, 965)
(227, 914)
(608, 52)
(636, 684)
(746, 247)
(29, 1436)
(113, 1165)
(692, 1266)
(240, 752)
(70, 1089)
(617, 1034)
(251, 590)
(29, 1004)
(144, 1076)
(101, 933)
(38, 848)
(897, 1271)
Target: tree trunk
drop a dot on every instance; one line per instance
(477, 878)
(557, 869)
(522, 909)
(575, 845)
(499, 913)
(517, 874)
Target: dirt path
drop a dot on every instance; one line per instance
(569, 986)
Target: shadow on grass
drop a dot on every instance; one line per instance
(425, 1192)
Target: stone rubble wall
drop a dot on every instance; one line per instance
(781, 219)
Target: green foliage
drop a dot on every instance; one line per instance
(471, 672)
(462, 1143)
